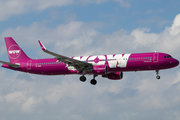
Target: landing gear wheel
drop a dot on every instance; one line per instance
(157, 73)
(93, 82)
(158, 77)
(82, 78)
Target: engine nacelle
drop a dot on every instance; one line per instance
(100, 69)
(114, 76)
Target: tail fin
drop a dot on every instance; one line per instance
(15, 53)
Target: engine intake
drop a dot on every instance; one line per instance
(100, 69)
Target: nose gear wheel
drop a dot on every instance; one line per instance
(157, 73)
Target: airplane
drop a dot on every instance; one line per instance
(108, 66)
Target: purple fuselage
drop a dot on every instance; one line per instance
(115, 63)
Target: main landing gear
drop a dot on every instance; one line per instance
(82, 78)
(93, 81)
(157, 73)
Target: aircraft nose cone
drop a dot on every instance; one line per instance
(176, 62)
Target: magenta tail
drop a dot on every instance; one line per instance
(15, 53)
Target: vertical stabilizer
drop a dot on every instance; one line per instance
(15, 53)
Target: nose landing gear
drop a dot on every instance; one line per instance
(157, 73)
(158, 77)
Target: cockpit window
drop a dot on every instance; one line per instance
(168, 56)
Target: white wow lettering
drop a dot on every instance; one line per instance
(14, 52)
(113, 61)
(118, 60)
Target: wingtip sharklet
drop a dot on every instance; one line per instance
(42, 46)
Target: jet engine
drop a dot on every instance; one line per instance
(114, 76)
(100, 69)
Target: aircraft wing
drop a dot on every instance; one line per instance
(79, 65)
(10, 64)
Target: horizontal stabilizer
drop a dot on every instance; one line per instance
(11, 64)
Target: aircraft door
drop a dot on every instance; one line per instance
(155, 57)
(29, 65)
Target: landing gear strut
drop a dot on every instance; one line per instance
(83, 78)
(157, 73)
(93, 81)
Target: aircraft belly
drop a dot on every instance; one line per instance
(56, 69)
(138, 65)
